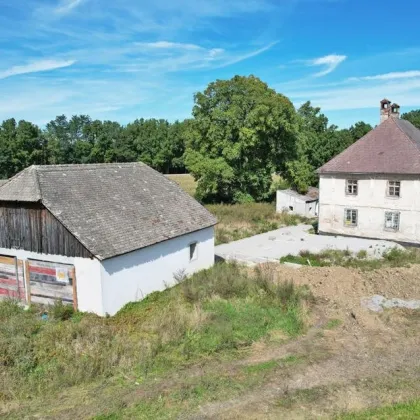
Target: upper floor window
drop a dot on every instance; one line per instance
(351, 187)
(350, 217)
(394, 188)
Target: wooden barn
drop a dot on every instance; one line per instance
(98, 236)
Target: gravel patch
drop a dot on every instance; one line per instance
(378, 303)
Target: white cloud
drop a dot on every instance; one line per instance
(67, 6)
(35, 67)
(243, 57)
(329, 61)
(169, 45)
(359, 96)
(390, 76)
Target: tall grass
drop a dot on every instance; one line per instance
(238, 221)
(217, 310)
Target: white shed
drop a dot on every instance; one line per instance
(98, 236)
(293, 202)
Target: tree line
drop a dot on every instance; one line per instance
(240, 134)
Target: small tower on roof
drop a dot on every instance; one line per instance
(385, 109)
(395, 110)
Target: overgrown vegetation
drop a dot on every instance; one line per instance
(240, 221)
(215, 313)
(394, 257)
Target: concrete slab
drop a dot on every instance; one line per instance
(271, 246)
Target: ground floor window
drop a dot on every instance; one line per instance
(193, 251)
(350, 217)
(392, 220)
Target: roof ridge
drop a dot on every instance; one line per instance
(405, 133)
(81, 166)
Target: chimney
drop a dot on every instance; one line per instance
(385, 109)
(395, 110)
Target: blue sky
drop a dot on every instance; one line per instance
(124, 59)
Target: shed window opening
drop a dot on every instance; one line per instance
(193, 251)
(392, 220)
(350, 217)
(351, 188)
(394, 188)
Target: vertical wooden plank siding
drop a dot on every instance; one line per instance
(31, 227)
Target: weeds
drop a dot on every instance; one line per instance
(395, 257)
(215, 311)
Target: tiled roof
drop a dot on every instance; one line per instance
(393, 147)
(311, 195)
(111, 209)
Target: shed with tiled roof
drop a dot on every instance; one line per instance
(123, 229)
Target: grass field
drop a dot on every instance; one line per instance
(240, 221)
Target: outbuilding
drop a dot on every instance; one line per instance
(302, 204)
(98, 236)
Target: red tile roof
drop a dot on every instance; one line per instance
(393, 147)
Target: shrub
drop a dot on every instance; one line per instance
(362, 254)
(61, 311)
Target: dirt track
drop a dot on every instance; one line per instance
(370, 359)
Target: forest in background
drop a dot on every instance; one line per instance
(240, 133)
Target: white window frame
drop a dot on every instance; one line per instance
(346, 219)
(395, 186)
(193, 251)
(392, 221)
(352, 186)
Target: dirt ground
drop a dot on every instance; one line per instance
(366, 360)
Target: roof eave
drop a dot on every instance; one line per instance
(108, 257)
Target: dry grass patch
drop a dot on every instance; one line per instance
(238, 221)
(185, 181)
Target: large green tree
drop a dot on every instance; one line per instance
(21, 144)
(241, 133)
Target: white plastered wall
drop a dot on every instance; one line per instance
(371, 202)
(88, 276)
(133, 276)
(284, 201)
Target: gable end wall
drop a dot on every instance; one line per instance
(31, 227)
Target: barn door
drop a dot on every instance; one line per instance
(50, 281)
(12, 283)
